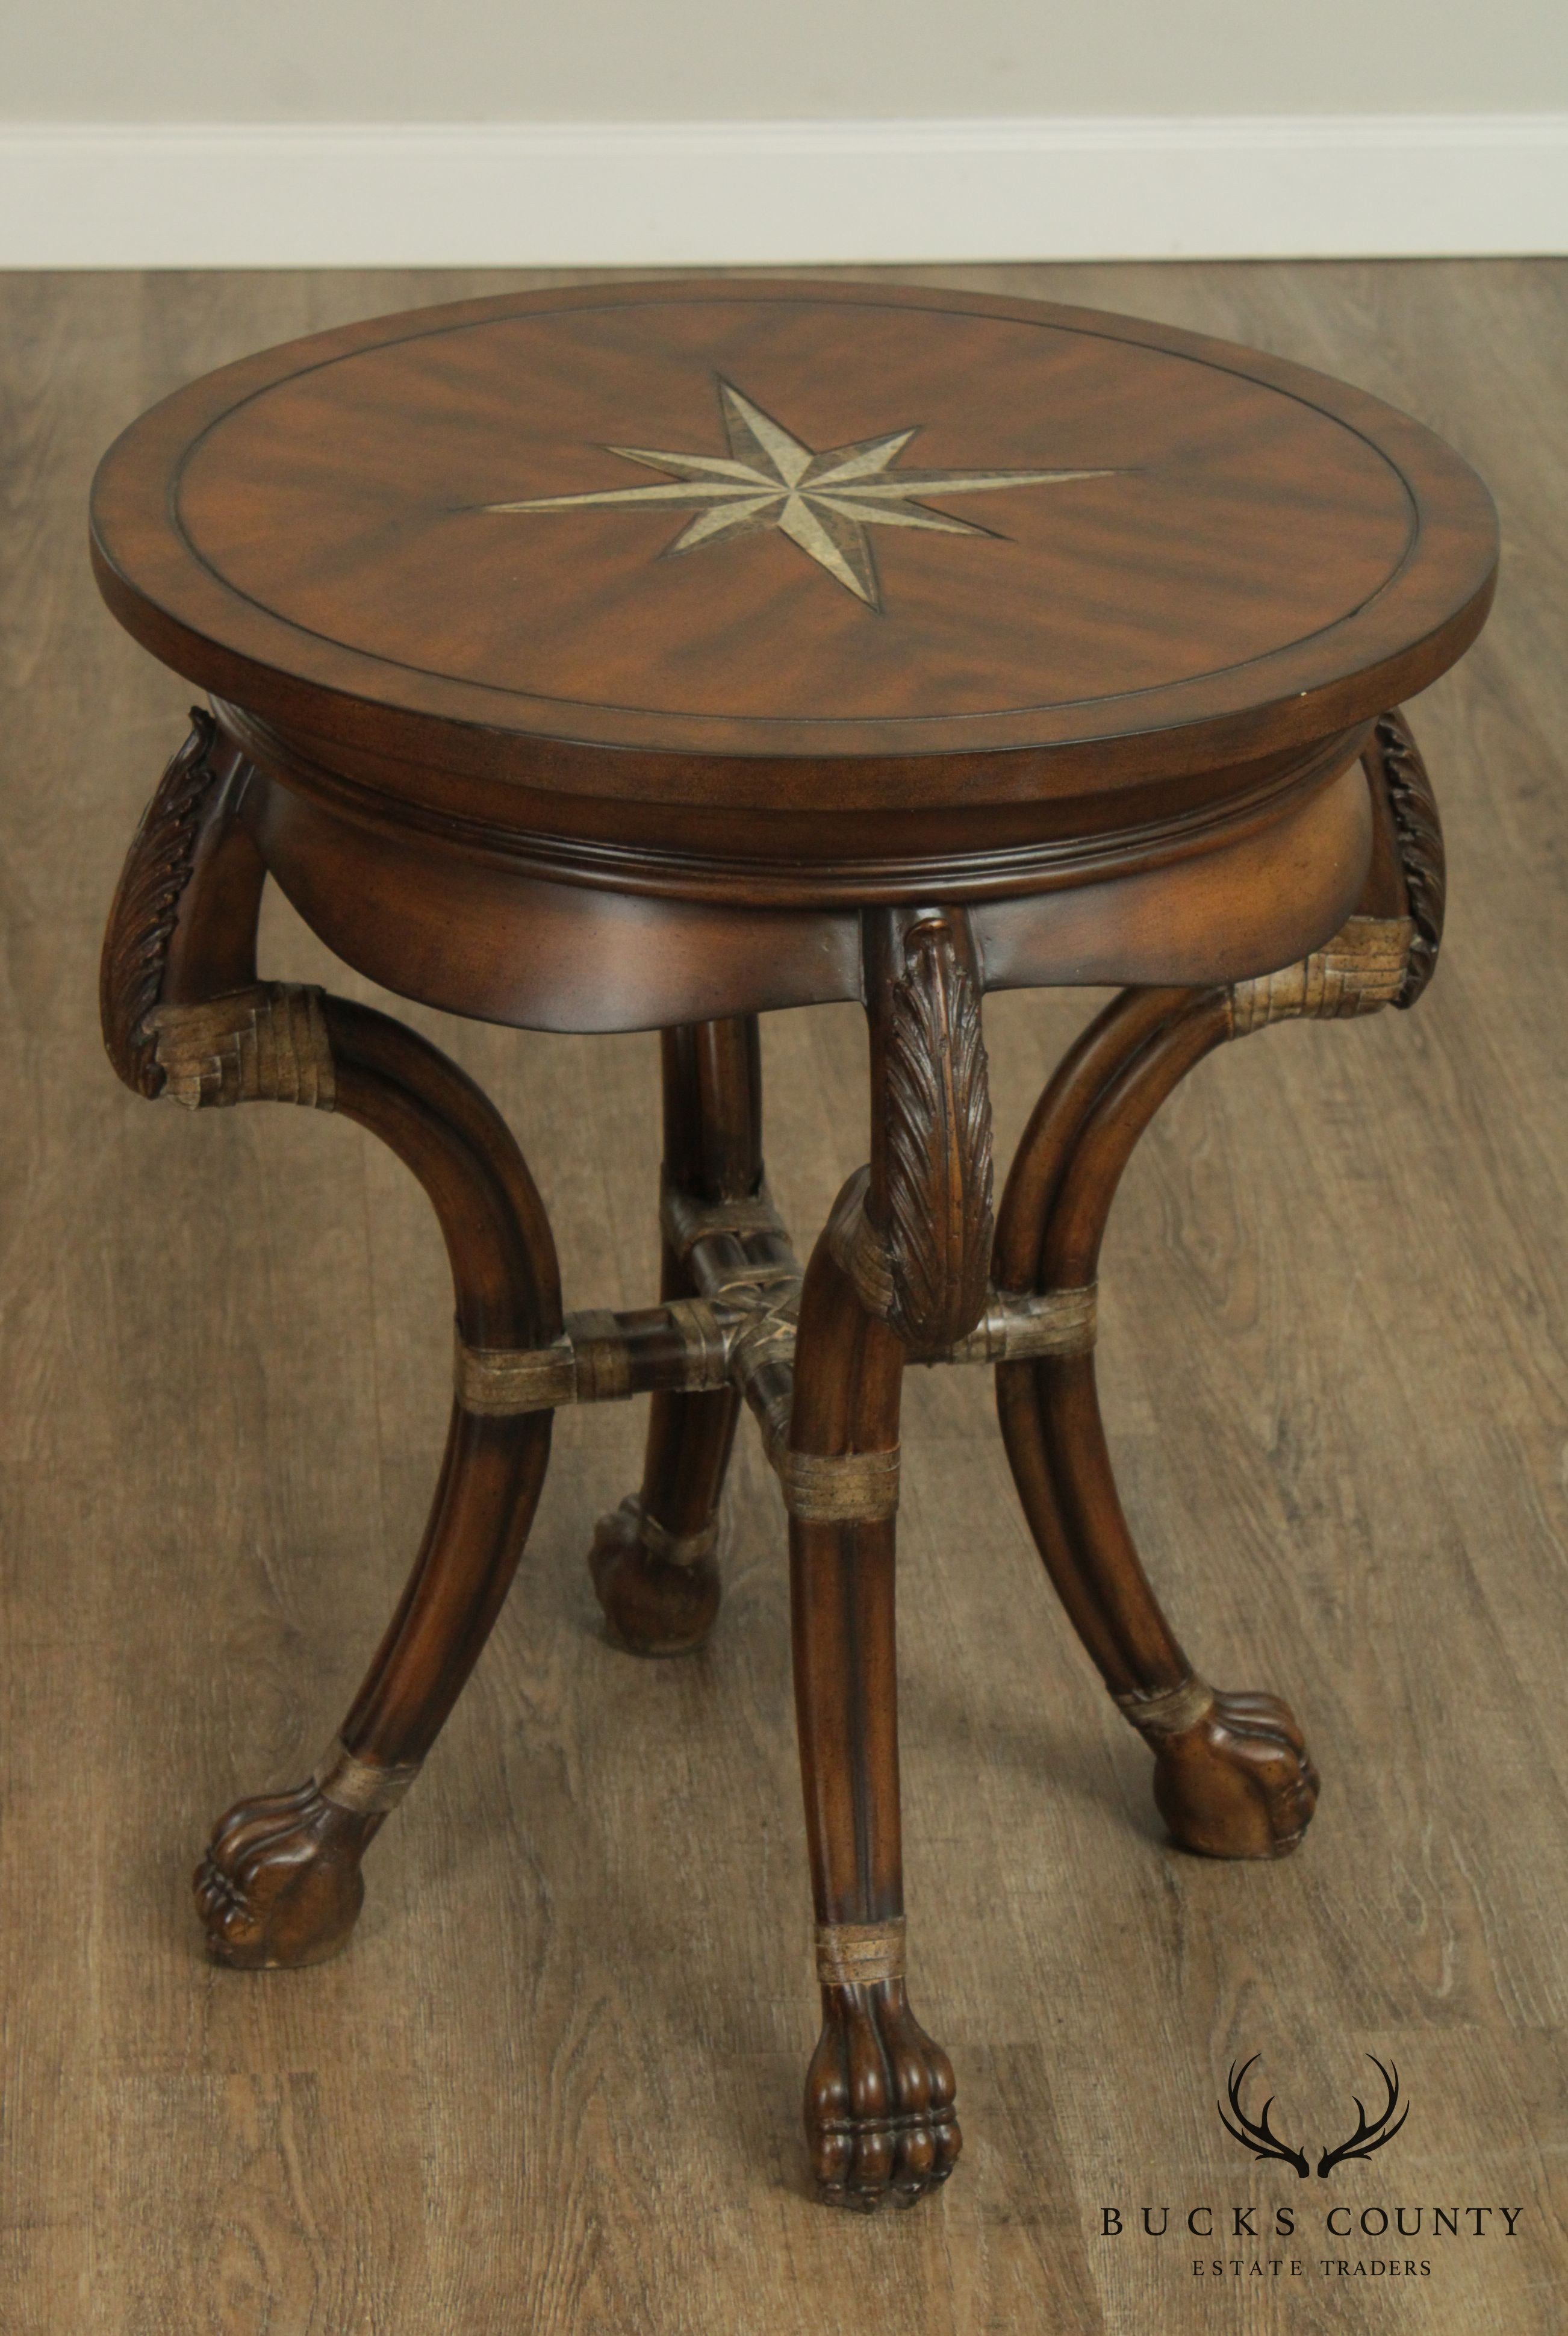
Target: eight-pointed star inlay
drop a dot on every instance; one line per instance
(823, 503)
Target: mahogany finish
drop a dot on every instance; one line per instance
(654, 655)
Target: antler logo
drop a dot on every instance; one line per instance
(1260, 2137)
(1369, 2138)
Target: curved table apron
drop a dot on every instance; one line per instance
(472, 922)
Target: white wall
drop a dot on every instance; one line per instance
(550, 132)
(701, 60)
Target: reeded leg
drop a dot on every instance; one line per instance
(654, 1560)
(879, 2103)
(1231, 1776)
(184, 1016)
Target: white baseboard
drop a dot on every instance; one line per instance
(634, 194)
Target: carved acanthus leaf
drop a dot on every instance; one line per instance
(938, 1145)
(1419, 831)
(147, 904)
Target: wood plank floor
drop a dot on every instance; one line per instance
(540, 2092)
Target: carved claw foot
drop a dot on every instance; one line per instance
(279, 1885)
(1237, 1780)
(879, 2106)
(659, 1595)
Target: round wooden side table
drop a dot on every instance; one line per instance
(650, 655)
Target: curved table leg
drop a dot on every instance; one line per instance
(1231, 1774)
(653, 1559)
(184, 1018)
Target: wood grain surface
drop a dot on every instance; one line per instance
(1148, 531)
(553, 2084)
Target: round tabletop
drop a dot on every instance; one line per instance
(857, 525)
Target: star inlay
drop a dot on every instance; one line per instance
(824, 503)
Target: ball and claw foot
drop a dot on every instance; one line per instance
(879, 2106)
(279, 1885)
(1238, 1782)
(653, 1604)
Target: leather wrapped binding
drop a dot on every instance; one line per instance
(860, 1955)
(1172, 1711)
(266, 1043)
(848, 1488)
(366, 1788)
